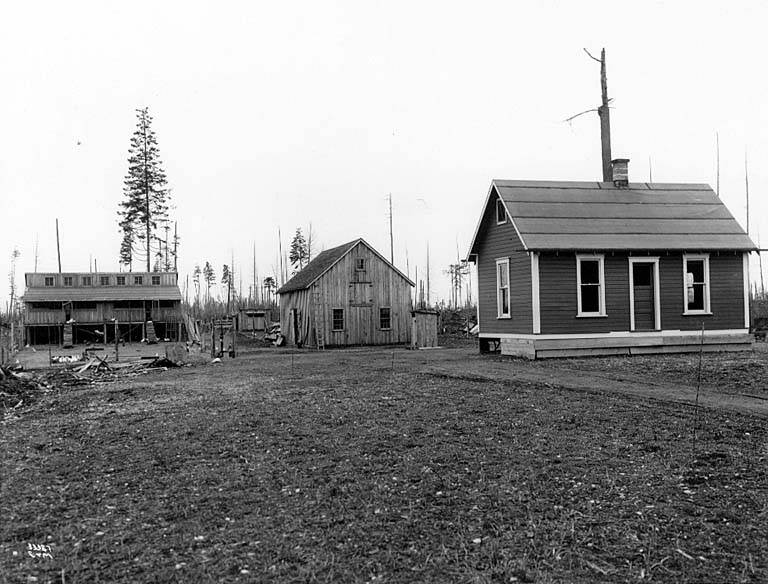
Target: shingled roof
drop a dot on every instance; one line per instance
(551, 215)
(323, 262)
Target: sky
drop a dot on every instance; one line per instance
(275, 115)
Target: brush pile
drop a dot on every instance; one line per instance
(16, 388)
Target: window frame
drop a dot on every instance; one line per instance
(600, 259)
(51, 279)
(333, 320)
(359, 264)
(119, 280)
(103, 280)
(86, 280)
(500, 207)
(703, 257)
(500, 314)
(68, 281)
(389, 318)
(155, 280)
(138, 280)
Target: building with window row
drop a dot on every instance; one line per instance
(347, 295)
(586, 268)
(87, 305)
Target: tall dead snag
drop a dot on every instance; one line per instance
(603, 111)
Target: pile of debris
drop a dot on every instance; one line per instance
(19, 388)
(16, 388)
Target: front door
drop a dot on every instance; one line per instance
(643, 293)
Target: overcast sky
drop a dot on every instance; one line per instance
(278, 114)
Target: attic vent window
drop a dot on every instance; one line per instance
(360, 264)
(501, 212)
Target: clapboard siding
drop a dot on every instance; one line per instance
(559, 301)
(726, 293)
(500, 241)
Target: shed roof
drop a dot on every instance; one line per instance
(102, 294)
(551, 215)
(324, 262)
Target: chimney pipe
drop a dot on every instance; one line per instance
(620, 170)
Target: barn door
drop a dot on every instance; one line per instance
(643, 282)
(360, 325)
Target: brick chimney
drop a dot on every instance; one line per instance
(620, 172)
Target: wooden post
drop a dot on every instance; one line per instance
(117, 341)
(213, 340)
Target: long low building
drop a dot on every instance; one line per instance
(80, 307)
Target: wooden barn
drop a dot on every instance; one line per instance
(72, 308)
(348, 295)
(587, 268)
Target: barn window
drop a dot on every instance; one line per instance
(120, 280)
(590, 289)
(360, 264)
(155, 280)
(501, 212)
(87, 281)
(502, 288)
(696, 284)
(67, 280)
(385, 318)
(338, 319)
(49, 281)
(104, 280)
(138, 280)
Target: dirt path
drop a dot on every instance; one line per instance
(463, 364)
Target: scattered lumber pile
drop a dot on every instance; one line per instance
(19, 388)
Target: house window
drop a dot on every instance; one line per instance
(49, 281)
(338, 319)
(155, 280)
(138, 280)
(501, 212)
(360, 264)
(385, 318)
(503, 308)
(67, 280)
(696, 284)
(87, 281)
(590, 288)
(120, 280)
(104, 280)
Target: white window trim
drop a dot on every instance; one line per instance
(500, 201)
(601, 266)
(707, 308)
(499, 313)
(656, 291)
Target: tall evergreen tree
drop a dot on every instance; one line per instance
(299, 253)
(210, 278)
(145, 197)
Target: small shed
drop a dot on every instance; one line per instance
(424, 328)
(253, 319)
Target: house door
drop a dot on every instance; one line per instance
(643, 296)
(360, 325)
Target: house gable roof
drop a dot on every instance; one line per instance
(551, 215)
(325, 261)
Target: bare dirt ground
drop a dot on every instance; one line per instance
(389, 465)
